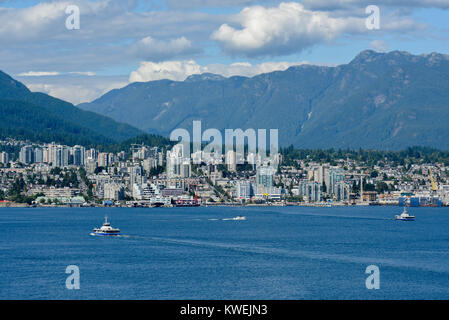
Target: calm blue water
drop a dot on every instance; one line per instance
(192, 253)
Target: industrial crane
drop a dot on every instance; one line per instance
(432, 180)
(266, 195)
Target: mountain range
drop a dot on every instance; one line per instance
(378, 101)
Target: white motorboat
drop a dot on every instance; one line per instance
(404, 216)
(106, 229)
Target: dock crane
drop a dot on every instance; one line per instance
(361, 175)
(266, 195)
(432, 180)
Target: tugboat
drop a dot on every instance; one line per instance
(106, 229)
(404, 216)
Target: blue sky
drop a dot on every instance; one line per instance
(122, 41)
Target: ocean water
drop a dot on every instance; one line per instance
(198, 253)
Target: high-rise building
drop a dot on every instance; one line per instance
(91, 165)
(111, 159)
(113, 191)
(318, 173)
(26, 155)
(149, 164)
(185, 169)
(4, 157)
(103, 159)
(136, 175)
(341, 191)
(38, 155)
(92, 154)
(310, 190)
(231, 161)
(45, 155)
(77, 155)
(177, 165)
(265, 175)
(243, 190)
(334, 176)
(59, 156)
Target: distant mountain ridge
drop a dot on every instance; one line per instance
(42, 118)
(378, 101)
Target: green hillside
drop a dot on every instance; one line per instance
(40, 117)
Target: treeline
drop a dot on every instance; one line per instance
(370, 157)
(146, 139)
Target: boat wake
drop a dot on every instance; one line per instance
(110, 236)
(238, 218)
(301, 254)
(334, 216)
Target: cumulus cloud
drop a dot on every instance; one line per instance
(173, 70)
(149, 48)
(180, 70)
(285, 29)
(292, 27)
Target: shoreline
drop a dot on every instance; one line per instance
(21, 205)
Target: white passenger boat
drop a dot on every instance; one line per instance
(106, 229)
(404, 216)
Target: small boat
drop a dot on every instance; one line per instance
(106, 229)
(404, 216)
(239, 218)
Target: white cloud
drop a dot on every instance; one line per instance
(27, 23)
(38, 73)
(79, 87)
(54, 73)
(114, 33)
(83, 73)
(249, 70)
(149, 48)
(74, 88)
(180, 70)
(66, 92)
(291, 28)
(36, 37)
(173, 70)
(379, 45)
(285, 29)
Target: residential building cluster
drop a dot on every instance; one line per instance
(52, 174)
